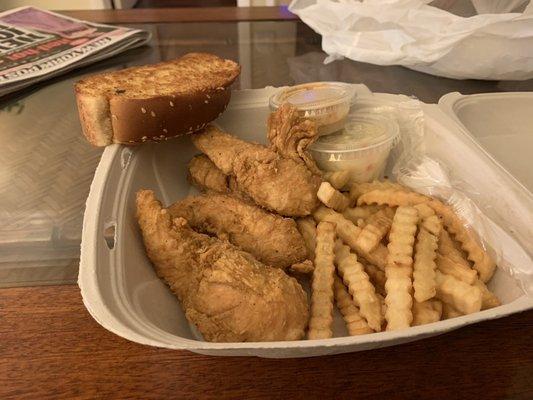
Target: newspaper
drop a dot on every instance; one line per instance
(37, 44)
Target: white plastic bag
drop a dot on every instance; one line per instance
(424, 38)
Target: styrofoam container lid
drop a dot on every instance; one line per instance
(502, 125)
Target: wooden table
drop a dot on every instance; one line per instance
(51, 348)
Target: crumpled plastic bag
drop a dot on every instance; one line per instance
(424, 38)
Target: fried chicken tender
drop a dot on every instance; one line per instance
(206, 176)
(275, 182)
(290, 135)
(224, 291)
(270, 238)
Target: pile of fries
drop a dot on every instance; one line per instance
(391, 258)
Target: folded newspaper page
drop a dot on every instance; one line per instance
(37, 44)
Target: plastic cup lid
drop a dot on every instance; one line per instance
(315, 95)
(361, 132)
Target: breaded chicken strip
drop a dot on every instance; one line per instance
(277, 183)
(290, 135)
(225, 292)
(206, 176)
(272, 239)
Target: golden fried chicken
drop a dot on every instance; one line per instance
(275, 182)
(290, 135)
(225, 292)
(272, 239)
(206, 176)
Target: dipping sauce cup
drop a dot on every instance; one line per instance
(327, 103)
(361, 147)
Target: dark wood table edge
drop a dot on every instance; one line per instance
(183, 14)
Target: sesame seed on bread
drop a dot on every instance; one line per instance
(155, 102)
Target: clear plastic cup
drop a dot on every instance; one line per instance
(362, 147)
(327, 103)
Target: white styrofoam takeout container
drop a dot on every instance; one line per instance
(502, 123)
(122, 292)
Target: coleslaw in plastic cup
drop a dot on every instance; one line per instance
(362, 147)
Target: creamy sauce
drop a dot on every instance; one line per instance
(362, 148)
(355, 135)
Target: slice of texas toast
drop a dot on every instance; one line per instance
(155, 102)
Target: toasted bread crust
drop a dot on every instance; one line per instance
(95, 121)
(155, 102)
(139, 120)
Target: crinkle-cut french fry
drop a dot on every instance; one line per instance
(489, 299)
(358, 189)
(402, 237)
(345, 228)
(424, 266)
(450, 267)
(307, 228)
(355, 323)
(437, 306)
(378, 256)
(355, 214)
(399, 269)
(377, 277)
(449, 248)
(432, 224)
(391, 197)
(363, 292)
(457, 245)
(426, 312)
(321, 319)
(348, 232)
(462, 296)
(428, 219)
(399, 301)
(424, 211)
(331, 197)
(483, 263)
(338, 179)
(304, 267)
(375, 229)
(449, 311)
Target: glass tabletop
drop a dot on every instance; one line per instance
(46, 166)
